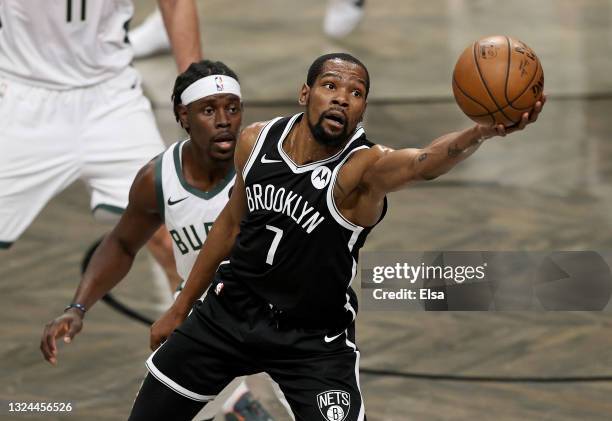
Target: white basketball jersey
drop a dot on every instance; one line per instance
(63, 44)
(188, 212)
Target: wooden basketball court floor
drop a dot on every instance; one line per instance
(545, 189)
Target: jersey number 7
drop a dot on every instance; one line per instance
(278, 233)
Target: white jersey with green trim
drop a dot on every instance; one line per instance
(188, 212)
(64, 44)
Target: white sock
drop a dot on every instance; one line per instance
(342, 17)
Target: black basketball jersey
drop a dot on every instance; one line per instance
(295, 250)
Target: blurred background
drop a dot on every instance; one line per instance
(547, 188)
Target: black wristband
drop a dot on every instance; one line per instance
(77, 306)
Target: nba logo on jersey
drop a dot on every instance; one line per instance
(334, 404)
(320, 177)
(219, 82)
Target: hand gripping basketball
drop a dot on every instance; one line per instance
(497, 80)
(488, 131)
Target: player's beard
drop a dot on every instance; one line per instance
(321, 136)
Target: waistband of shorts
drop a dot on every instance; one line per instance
(328, 323)
(238, 295)
(23, 84)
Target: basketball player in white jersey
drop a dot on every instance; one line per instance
(71, 106)
(186, 187)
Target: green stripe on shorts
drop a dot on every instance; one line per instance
(110, 208)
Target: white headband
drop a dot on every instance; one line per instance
(210, 85)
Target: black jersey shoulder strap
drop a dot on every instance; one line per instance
(357, 144)
(358, 141)
(268, 135)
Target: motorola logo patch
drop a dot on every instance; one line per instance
(320, 177)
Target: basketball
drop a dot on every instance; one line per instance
(497, 79)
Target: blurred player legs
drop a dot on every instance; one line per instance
(150, 37)
(50, 138)
(342, 17)
(101, 135)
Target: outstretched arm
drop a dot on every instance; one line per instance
(111, 261)
(181, 21)
(216, 248)
(396, 168)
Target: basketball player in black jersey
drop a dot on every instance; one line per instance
(308, 190)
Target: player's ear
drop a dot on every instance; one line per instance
(304, 92)
(182, 114)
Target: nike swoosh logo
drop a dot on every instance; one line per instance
(328, 339)
(174, 202)
(265, 160)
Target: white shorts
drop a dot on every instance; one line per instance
(102, 134)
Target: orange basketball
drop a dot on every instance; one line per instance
(497, 79)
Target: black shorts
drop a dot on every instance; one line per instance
(233, 334)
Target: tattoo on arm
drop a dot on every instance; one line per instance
(454, 151)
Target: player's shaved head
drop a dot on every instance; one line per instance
(194, 72)
(317, 67)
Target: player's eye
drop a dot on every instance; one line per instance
(233, 109)
(357, 93)
(209, 110)
(329, 85)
